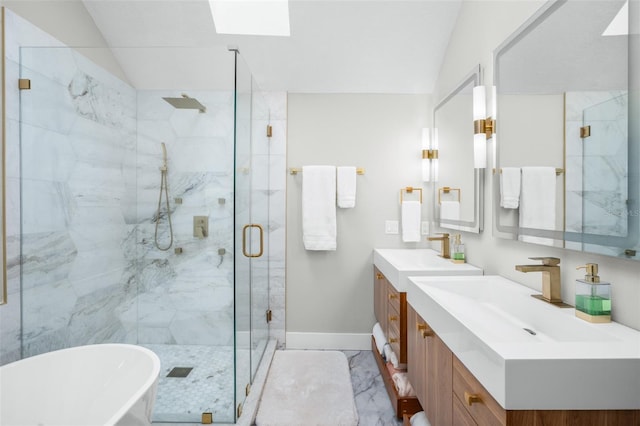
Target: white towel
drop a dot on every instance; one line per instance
(403, 385)
(411, 216)
(538, 202)
(346, 187)
(378, 335)
(419, 419)
(391, 356)
(510, 187)
(319, 207)
(450, 210)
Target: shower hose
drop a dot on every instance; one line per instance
(163, 185)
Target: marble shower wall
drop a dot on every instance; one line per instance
(185, 298)
(91, 180)
(596, 167)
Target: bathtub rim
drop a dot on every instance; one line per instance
(139, 392)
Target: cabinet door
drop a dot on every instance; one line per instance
(460, 416)
(439, 381)
(380, 298)
(417, 355)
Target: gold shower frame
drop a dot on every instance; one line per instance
(3, 211)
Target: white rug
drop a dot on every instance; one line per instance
(311, 388)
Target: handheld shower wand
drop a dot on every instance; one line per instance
(163, 185)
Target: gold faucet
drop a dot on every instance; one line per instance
(444, 251)
(551, 289)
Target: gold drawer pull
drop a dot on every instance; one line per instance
(393, 318)
(379, 276)
(471, 398)
(393, 296)
(424, 330)
(393, 340)
(426, 333)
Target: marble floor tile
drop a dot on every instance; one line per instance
(372, 400)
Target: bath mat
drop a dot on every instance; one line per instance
(311, 388)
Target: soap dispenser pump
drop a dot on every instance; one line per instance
(593, 297)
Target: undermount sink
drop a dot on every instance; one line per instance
(527, 353)
(400, 264)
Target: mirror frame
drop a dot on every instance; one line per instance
(562, 236)
(3, 174)
(477, 224)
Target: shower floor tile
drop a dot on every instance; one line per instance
(207, 388)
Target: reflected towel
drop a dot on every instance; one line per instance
(411, 216)
(319, 207)
(510, 187)
(419, 419)
(538, 202)
(346, 187)
(450, 211)
(378, 335)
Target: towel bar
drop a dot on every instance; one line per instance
(446, 190)
(409, 190)
(296, 170)
(559, 171)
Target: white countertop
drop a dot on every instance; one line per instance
(567, 364)
(400, 264)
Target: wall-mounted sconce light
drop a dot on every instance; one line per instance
(429, 155)
(483, 127)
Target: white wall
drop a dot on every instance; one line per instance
(331, 291)
(69, 22)
(481, 27)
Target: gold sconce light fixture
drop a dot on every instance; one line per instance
(483, 126)
(429, 155)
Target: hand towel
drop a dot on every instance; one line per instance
(538, 202)
(419, 419)
(346, 187)
(378, 336)
(319, 229)
(411, 216)
(510, 187)
(402, 384)
(391, 356)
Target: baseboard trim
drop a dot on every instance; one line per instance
(334, 341)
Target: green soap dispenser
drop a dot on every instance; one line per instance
(458, 250)
(593, 297)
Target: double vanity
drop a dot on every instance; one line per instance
(480, 350)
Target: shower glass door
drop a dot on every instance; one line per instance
(251, 228)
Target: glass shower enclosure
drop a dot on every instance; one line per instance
(143, 218)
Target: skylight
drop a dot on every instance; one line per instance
(251, 17)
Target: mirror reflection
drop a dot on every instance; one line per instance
(566, 154)
(458, 194)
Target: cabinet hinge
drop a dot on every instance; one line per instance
(268, 315)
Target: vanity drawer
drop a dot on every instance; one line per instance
(474, 397)
(393, 297)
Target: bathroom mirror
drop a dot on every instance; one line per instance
(458, 189)
(567, 100)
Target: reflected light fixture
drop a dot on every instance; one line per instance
(483, 127)
(429, 155)
(251, 17)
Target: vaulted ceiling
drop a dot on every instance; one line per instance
(336, 46)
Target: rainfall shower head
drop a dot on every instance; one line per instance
(186, 102)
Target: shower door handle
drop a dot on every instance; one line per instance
(244, 240)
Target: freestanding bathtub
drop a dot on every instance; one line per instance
(108, 384)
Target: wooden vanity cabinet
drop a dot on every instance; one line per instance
(429, 369)
(390, 308)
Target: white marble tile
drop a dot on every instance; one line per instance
(55, 63)
(20, 32)
(46, 155)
